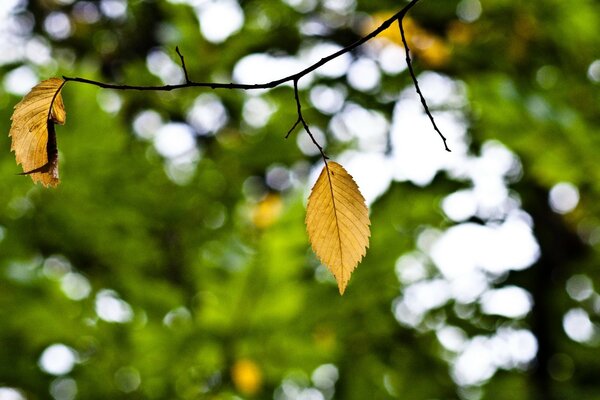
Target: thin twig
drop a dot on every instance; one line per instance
(187, 79)
(292, 128)
(418, 89)
(302, 121)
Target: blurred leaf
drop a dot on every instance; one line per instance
(246, 376)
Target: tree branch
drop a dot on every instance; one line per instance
(187, 79)
(294, 78)
(417, 88)
(302, 121)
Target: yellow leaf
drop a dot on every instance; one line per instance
(337, 221)
(32, 131)
(246, 376)
(268, 211)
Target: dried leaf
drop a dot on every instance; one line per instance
(32, 131)
(338, 223)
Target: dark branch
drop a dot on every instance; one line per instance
(292, 128)
(418, 89)
(302, 121)
(187, 79)
(267, 85)
(294, 78)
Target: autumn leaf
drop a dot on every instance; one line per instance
(32, 131)
(246, 376)
(337, 221)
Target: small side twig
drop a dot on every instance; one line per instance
(302, 121)
(292, 128)
(418, 89)
(187, 79)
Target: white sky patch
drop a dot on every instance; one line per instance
(75, 286)
(219, 19)
(563, 197)
(418, 151)
(56, 267)
(38, 51)
(12, 44)
(369, 127)
(174, 140)
(325, 376)
(86, 12)
(371, 172)
(483, 355)
(63, 389)
(411, 268)
(514, 348)
(391, 59)
(364, 75)
(262, 68)
(257, 111)
(278, 177)
(497, 249)
(439, 90)
(468, 10)
(177, 316)
(111, 308)
(328, 100)
(460, 205)
(333, 69)
(20, 80)
(58, 25)
(593, 72)
(302, 6)
(488, 173)
(306, 145)
(208, 114)
(161, 65)
(109, 101)
(468, 287)
(423, 296)
(7, 7)
(182, 169)
(7, 393)
(452, 338)
(578, 326)
(147, 123)
(58, 359)
(508, 301)
(340, 6)
(115, 9)
(579, 287)
(474, 365)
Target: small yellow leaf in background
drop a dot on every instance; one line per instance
(337, 221)
(32, 131)
(246, 376)
(267, 211)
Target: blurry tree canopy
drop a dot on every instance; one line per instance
(173, 260)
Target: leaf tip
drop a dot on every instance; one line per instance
(342, 287)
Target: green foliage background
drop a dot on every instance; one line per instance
(218, 269)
